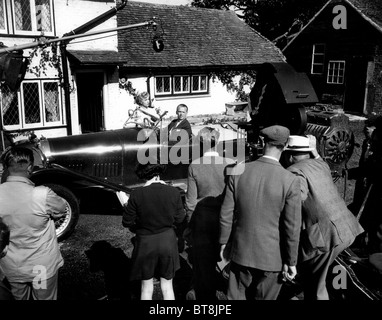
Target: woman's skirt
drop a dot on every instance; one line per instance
(155, 255)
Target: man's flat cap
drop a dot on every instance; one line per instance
(276, 134)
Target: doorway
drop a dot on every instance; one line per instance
(355, 85)
(90, 101)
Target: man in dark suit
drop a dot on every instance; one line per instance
(260, 220)
(328, 226)
(179, 127)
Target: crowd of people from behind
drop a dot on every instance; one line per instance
(268, 220)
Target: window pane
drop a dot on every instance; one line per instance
(23, 15)
(31, 103)
(181, 84)
(195, 83)
(10, 107)
(318, 68)
(203, 83)
(159, 84)
(319, 58)
(43, 18)
(177, 84)
(163, 84)
(2, 19)
(186, 84)
(167, 86)
(52, 103)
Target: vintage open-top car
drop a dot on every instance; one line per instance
(106, 160)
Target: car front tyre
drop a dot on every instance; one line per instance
(66, 225)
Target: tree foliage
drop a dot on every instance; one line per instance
(272, 18)
(239, 82)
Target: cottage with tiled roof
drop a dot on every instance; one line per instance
(193, 38)
(197, 42)
(341, 51)
(85, 86)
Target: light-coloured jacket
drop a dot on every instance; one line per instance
(33, 248)
(327, 222)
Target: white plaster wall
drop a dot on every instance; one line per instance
(71, 14)
(114, 103)
(119, 101)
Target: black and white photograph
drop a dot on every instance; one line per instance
(199, 151)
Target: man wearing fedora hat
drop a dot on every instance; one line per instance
(260, 220)
(328, 226)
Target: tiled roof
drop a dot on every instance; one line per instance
(94, 57)
(193, 37)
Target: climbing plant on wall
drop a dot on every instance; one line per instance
(238, 82)
(128, 86)
(42, 58)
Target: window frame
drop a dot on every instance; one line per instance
(34, 30)
(11, 127)
(155, 85)
(182, 78)
(336, 76)
(60, 105)
(314, 55)
(200, 90)
(42, 108)
(22, 105)
(190, 92)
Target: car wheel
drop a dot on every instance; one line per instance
(66, 225)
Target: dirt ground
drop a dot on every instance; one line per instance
(76, 282)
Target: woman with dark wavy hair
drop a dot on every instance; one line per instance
(151, 213)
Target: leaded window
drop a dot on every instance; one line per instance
(38, 103)
(181, 84)
(162, 85)
(33, 16)
(199, 83)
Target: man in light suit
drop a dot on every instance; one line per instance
(328, 226)
(260, 220)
